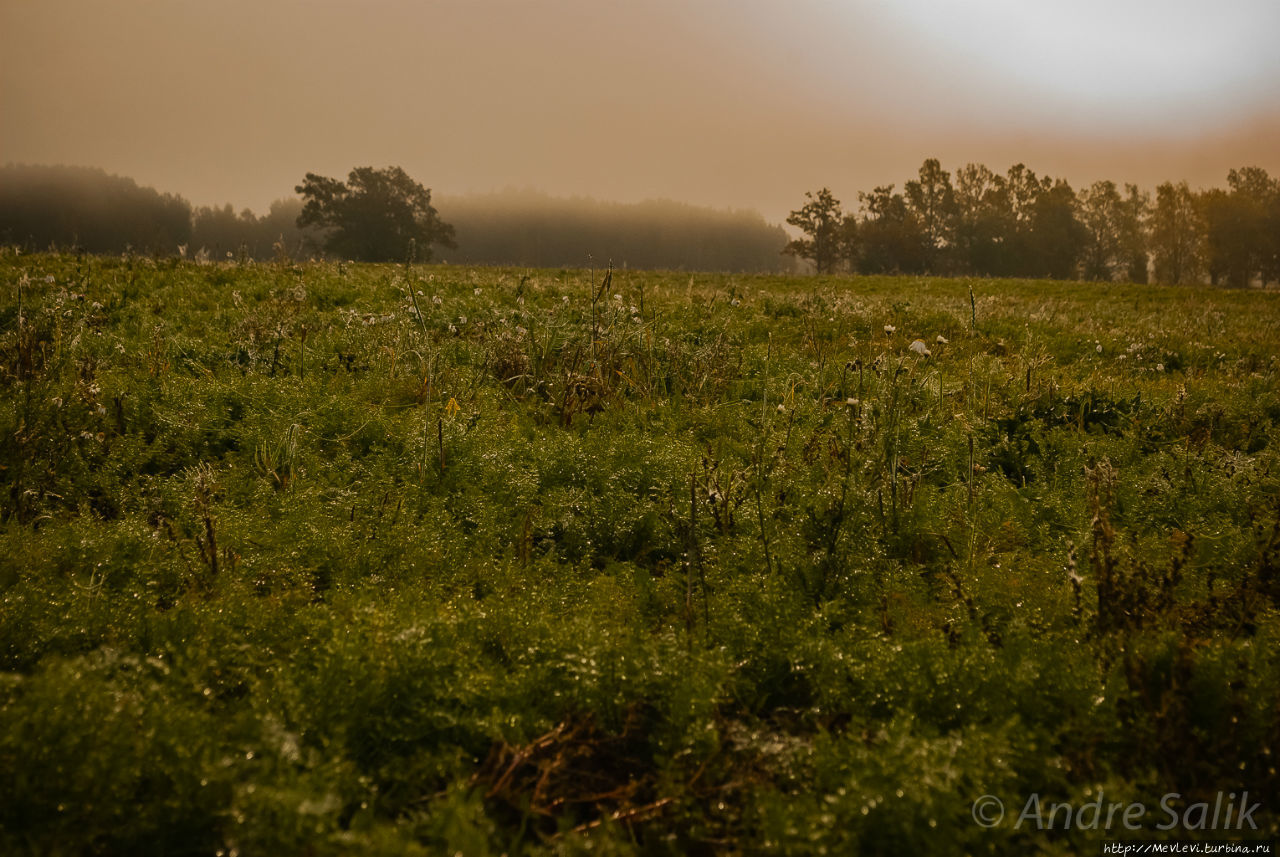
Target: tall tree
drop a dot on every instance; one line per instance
(931, 199)
(1176, 234)
(983, 220)
(1102, 215)
(823, 223)
(1134, 216)
(1240, 227)
(1020, 254)
(1057, 238)
(1228, 238)
(375, 216)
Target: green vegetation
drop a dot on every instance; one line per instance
(347, 559)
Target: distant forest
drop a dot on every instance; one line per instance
(531, 228)
(974, 222)
(1023, 225)
(87, 209)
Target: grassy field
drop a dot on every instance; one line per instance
(341, 559)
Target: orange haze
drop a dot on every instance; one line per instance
(731, 103)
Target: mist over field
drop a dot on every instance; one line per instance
(531, 228)
(739, 105)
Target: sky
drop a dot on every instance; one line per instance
(727, 103)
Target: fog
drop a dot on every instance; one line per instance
(725, 103)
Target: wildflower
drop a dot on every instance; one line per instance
(920, 348)
(435, 299)
(942, 340)
(1159, 367)
(476, 290)
(1099, 348)
(889, 329)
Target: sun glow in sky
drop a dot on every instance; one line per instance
(744, 103)
(1128, 60)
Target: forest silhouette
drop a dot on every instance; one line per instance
(973, 222)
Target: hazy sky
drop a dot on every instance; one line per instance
(740, 103)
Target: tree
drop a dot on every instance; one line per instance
(1135, 213)
(932, 201)
(1176, 234)
(890, 237)
(375, 216)
(1057, 238)
(1240, 227)
(983, 221)
(1227, 237)
(823, 222)
(1021, 190)
(1102, 213)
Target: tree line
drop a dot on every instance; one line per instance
(85, 208)
(973, 223)
(378, 215)
(1018, 224)
(531, 228)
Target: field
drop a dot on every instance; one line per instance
(345, 559)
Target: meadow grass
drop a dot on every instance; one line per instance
(335, 558)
